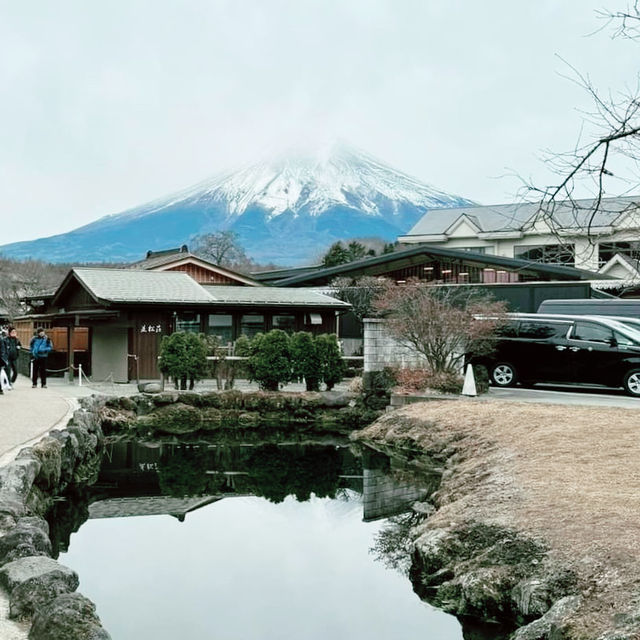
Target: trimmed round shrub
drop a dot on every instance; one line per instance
(332, 365)
(305, 360)
(269, 361)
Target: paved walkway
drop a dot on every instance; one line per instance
(26, 414)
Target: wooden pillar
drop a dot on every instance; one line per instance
(70, 353)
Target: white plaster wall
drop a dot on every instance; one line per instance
(109, 353)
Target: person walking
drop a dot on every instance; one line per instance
(4, 358)
(40, 347)
(13, 348)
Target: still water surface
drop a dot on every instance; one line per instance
(246, 567)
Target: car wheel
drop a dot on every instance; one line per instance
(503, 374)
(631, 383)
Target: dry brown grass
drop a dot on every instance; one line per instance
(567, 475)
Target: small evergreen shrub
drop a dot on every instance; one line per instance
(269, 361)
(305, 360)
(332, 365)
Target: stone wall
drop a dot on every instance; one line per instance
(382, 350)
(39, 588)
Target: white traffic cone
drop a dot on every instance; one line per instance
(469, 386)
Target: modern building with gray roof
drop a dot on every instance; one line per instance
(583, 233)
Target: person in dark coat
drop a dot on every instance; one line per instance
(4, 355)
(13, 348)
(40, 347)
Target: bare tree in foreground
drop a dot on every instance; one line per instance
(611, 152)
(441, 323)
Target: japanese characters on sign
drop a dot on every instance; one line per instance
(151, 328)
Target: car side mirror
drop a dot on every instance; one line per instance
(613, 342)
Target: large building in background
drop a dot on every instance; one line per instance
(577, 237)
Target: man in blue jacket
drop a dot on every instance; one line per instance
(40, 348)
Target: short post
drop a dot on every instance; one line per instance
(469, 386)
(80, 375)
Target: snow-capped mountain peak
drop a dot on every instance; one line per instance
(287, 210)
(313, 182)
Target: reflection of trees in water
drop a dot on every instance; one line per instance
(393, 545)
(276, 472)
(272, 471)
(182, 471)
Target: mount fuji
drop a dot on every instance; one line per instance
(287, 210)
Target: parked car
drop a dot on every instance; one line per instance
(568, 349)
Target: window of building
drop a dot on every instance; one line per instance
(472, 249)
(606, 250)
(285, 322)
(548, 253)
(188, 322)
(221, 326)
(251, 324)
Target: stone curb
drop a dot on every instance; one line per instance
(39, 587)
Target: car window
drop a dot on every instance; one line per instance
(623, 340)
(536, 330)
(591, 332)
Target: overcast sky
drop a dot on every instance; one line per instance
(105, 105)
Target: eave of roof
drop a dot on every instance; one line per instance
(570, 273)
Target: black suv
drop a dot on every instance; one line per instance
(565, 349)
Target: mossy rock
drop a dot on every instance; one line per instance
(231, 399)
(212, 419)
(165, 398)
(211, 399)
(249, 419)
(176, 418)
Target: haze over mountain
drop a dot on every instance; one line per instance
(287, 210)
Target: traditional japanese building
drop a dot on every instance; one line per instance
(122, 314)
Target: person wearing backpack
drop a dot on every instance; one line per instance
(40, 347)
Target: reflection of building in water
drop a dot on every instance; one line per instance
(384, 495)
(137, 480)
(148, 506)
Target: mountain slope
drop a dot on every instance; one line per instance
(287, 210)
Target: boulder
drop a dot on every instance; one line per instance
(175, 418)
(25, 539)
(16, 480)
(70, 616)
(551, 624)
(69, 454)
(336, 398)
(49, 452)
(150, 387)
(35, 581)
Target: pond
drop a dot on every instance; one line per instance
(249, 542)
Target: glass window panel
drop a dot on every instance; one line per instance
(540, 330)
(250, 325)
(549, 253)
(188, 322)
(221, 326)
(285, 321)
(591, 332)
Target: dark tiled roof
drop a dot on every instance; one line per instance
(360, 267)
